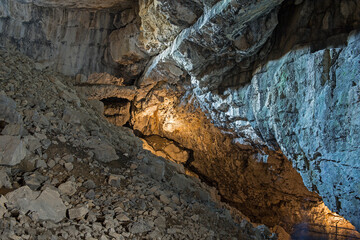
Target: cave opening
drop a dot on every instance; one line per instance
(257, 101)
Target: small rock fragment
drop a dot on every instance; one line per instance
(78, 212)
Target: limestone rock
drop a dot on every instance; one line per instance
(14, 130)
(109, 91)
(34, 180)
(139, 227)
(114, 180)
(47, 204)
(78, 212)
(103, 152)
(68, 188)
(104, 79)
(12, 150)
(8, 111)
(125, 52)
(71, 116)
(72, 38)
(117, 112)
(89, 184)
(3, 209)
(4, 179)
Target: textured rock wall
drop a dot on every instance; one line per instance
(309, 104)
(69, 40)
(259, 182)
(287, 79)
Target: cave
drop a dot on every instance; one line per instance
(257, 103)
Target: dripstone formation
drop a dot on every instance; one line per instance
(257, 99)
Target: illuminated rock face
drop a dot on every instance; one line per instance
(278, 77)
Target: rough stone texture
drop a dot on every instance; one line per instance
(12, 150)
(162, 20)
(293, 97)
(78, 212)
(188, 209)
(69, 40)
(3, 210)
(166, 148)
(126, 52)
(108, 91)
(210, 58)
(93, 4)
(4, 178)
(47, 204)
(8, 113)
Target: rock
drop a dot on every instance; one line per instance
(117, 112)
(8, 112)
(164, 199)
(104, 152)
(139, 227)
(103, 237)
(114, 180)
(89, 184)
(104, 79)
(281, 233)
(98, 105)
(80, 78)
(126, 17)
(78, 212)
(160, 222)
(51, 163)
(58, 52)
(71, 116)
(5, 180)
(40, 163)
(125, 52)
(69, 166)
(12, 150)
(69, 158)
(3, 209)
(68, 188)
(90, 194)
(47, 204)
(34, 180)
(99, 92)
(122, 217)
(14, 130)
(32, 143)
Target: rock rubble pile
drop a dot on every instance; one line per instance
(66, 173)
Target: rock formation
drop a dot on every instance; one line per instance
(258, 99)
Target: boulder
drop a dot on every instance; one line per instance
(47, 204)
(103, 151)
(12, 150)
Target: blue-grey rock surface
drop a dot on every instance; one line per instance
(309, 103)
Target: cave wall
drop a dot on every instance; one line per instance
(261, 183)
(290, 84)
(309, 104)
(69, 40)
